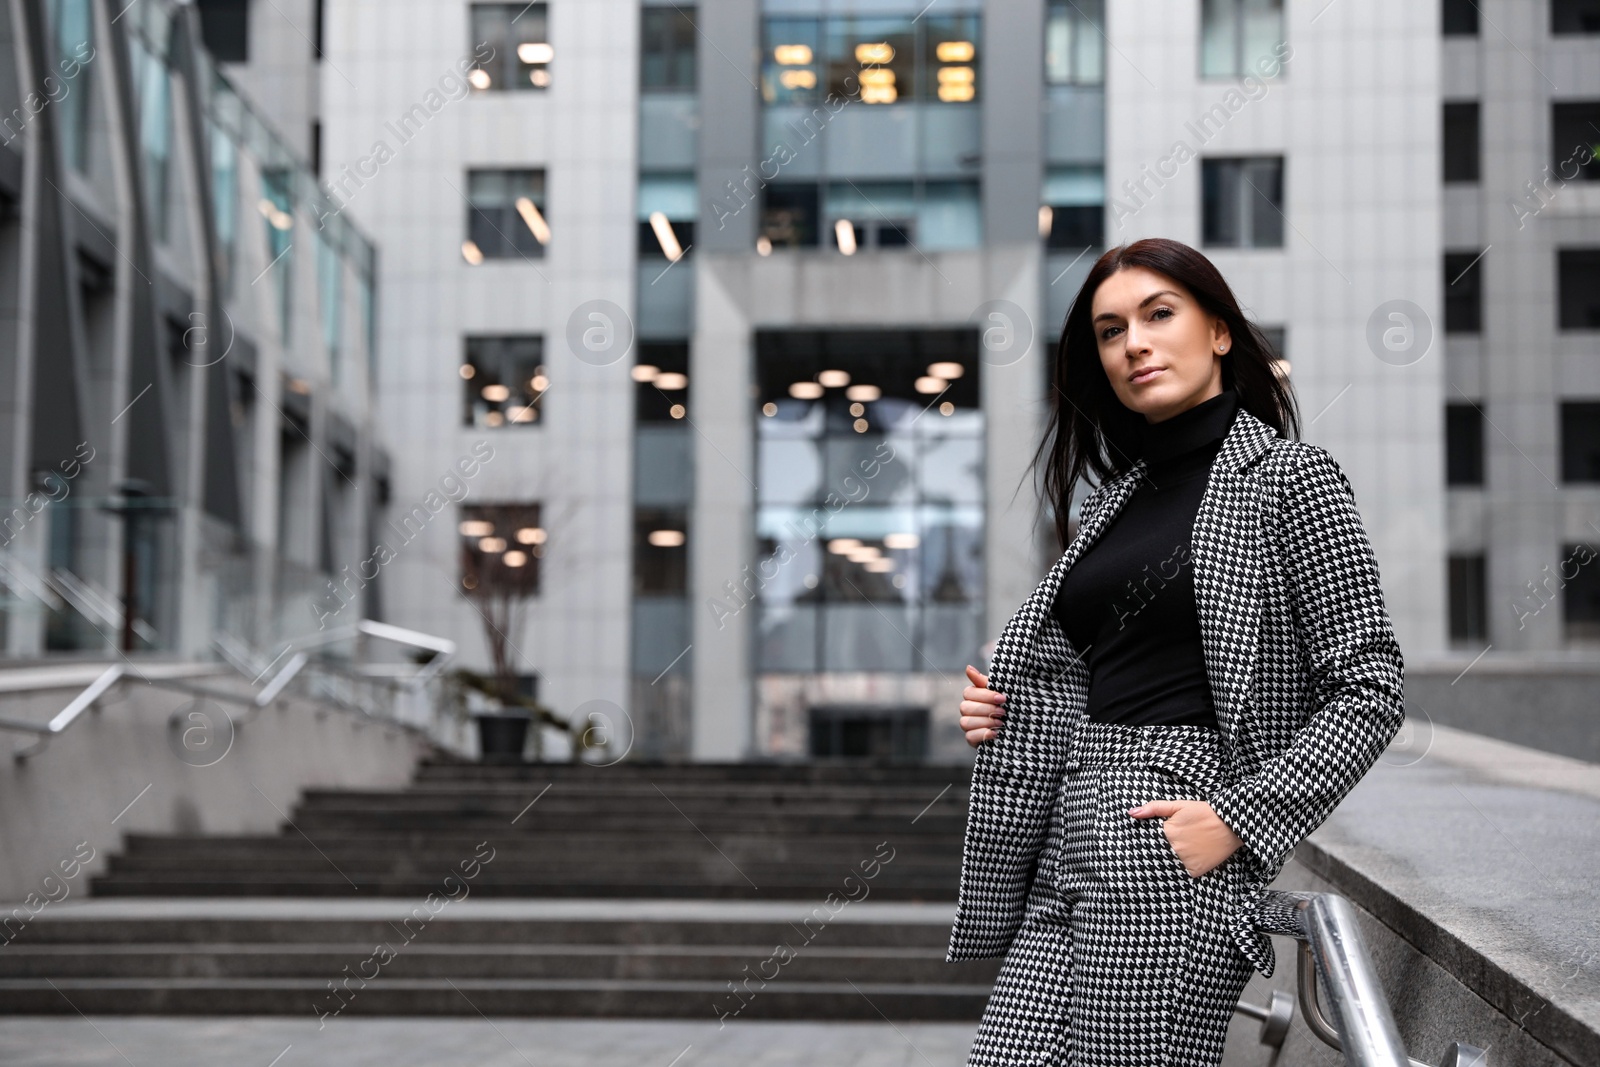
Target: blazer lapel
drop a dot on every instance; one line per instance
(1226, 546)
(1226, 550)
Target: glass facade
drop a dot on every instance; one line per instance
(880, 60)
(330, 300)
(278, 211)
(153, 90)
(72, 24)
(869, 517)
(930, 214)
(224, 202)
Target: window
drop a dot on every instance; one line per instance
(662, 374)
(224, 201)
(874, 733)
(1579, 281)
(1574, 16)
(949, 59)
(1239, 37)
(873, 58)
(660, 550)
(1463, 444)
(877, 60)
(73, 26)
(369, 312)
(789, 214)
(1278, 340)
(668, 204)
(1580, 441)
(1461, 141)
(225, 29)
(1242, 202)
(153, 91)
(852, 216)
(1459, 18)
(862, 215)
(501, 545)
(1463, 292)
(1073, 215)
(1580, 597)
(869, 452)
(1075, 43)
(330, 298)
(519, 52)
(503, 380)
(1469, 604)
(667, 49)
(505, 215)
(278, 210)
(1574, 127)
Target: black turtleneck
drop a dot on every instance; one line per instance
(1129, 599)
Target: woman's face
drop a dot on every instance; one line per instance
(1159, 347)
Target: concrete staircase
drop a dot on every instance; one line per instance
(695, 831)
(695, 891)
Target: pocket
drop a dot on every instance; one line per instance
(1164, 845)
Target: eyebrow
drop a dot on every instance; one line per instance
(1142, 303)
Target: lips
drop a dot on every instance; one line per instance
(1145, 374)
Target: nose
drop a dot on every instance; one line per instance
(1133, 340)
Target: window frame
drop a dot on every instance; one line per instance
(1245, 204)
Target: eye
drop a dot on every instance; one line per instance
(1105, 334)
(1159, 310)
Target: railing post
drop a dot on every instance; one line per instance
(1362, 1024)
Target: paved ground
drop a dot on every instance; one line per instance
(120, 1041)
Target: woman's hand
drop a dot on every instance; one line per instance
(1199, 837)
(981, 713)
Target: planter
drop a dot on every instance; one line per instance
(502, 736)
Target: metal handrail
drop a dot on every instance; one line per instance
(444, 648)
(240, 658)
(1362, 1025)
(91, 695)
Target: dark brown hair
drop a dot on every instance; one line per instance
(1089, 430)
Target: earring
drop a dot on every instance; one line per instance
(1224, 348)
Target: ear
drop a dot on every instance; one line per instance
(1221, 337)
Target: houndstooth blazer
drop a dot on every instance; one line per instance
(1306, 678)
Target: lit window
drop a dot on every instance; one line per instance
(506, 215)
(501, 546)
(503, 381)
(515, 39)
(871, 60)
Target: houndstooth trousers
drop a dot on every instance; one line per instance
(1123, 958)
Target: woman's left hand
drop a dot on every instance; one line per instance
(1199, 837)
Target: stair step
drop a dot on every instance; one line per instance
(645, 891)
(779, 999)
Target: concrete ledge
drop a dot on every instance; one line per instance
(1543, 701)
(122, 767)
(1477, 863)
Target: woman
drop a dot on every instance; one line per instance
(1203, 675)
